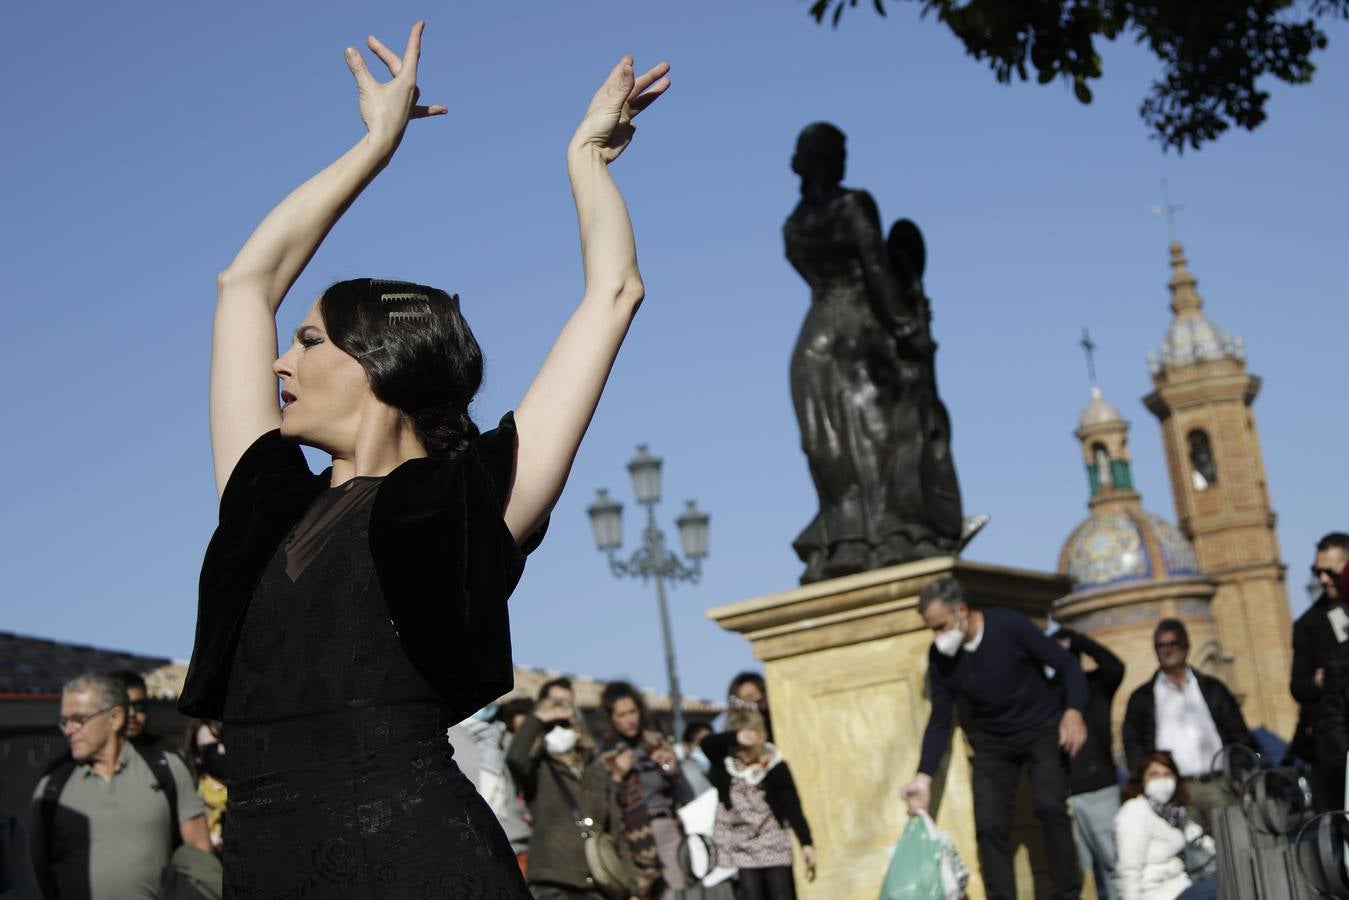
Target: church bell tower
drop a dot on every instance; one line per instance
(1202, 396)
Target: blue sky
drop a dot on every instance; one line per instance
(145, 141)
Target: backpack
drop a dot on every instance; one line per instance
(59, 772)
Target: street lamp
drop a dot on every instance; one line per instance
(652, 559)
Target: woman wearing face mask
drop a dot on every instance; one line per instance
(647, 776)
(206, 761)
(551, 759)
(1152, 831)
(749, 691)
(759, 808)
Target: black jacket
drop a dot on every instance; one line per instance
(556, 849)
(1314, 643)
(779, 788)
(1140, 718)
(1094, 766)
(445, 560)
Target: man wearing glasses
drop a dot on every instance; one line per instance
(138, 719)
(1317, 635)
(101, 826)
(1191, 715)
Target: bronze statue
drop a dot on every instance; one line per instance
(875, 435)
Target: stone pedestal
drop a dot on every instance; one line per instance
(846, 661)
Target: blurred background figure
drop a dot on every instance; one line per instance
(558, 689)
(138, 714)
(206, 761)
(1092, 782)
(1318, 636)
(748, 691)
(759, 803)
(516, 819)
(646, 772)
(551, 759)
(16, 863)
(1152, 833)
(693, 760)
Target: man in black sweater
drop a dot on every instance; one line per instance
(1317, 635)
(995, 660)
(1093, 783)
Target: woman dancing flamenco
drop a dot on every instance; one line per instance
(347, 618)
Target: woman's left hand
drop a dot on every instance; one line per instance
(607, 126)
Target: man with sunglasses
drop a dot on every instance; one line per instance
(1188, 714)
(138, 714)
(102, 826)
(1317, 635)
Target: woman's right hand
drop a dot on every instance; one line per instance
(387, 107)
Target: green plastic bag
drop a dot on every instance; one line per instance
(915, 869)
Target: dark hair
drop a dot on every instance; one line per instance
(821, 153)
(190, 746)
(417, 350)
(745, 678)
(1134, 786)
(1171, 626)
(129, 678)
(516, 706)
(562, 682)
(692, 730)
(1336, 540)
(618, 690)
(940, 590)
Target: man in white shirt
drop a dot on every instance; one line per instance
(1191, 715)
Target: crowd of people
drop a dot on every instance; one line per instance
(1141, 824)
(111, 819)
(593, 802)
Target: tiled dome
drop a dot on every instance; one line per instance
(1099, 410)
(1115, 546)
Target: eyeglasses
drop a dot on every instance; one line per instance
(1318, 573)
(79, 720)
(1170, 645)
(139, 706)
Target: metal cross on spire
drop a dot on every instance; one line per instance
(1167, 210)
(1090, 347)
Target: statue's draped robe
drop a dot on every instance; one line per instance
(875, 435)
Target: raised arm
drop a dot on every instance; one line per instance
(249, 291)
(557, 408)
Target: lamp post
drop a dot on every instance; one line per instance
(652, 559)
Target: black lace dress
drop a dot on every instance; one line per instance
(342, 782)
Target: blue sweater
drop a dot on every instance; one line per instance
(1003, 681)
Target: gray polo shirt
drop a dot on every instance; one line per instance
(114, 836)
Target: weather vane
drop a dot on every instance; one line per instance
(1090, 347)
(1167, 210)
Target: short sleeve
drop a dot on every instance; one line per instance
(269, 459)
(189, 801)
(447, 564)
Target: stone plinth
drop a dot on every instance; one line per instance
(846, 661)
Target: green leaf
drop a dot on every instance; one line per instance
(1080, 89)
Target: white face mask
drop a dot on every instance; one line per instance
(560, 740)
(948, 642)
(1160, 789)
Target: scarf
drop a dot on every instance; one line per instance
(632, 801)
(754, 773)
(1172, 813)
